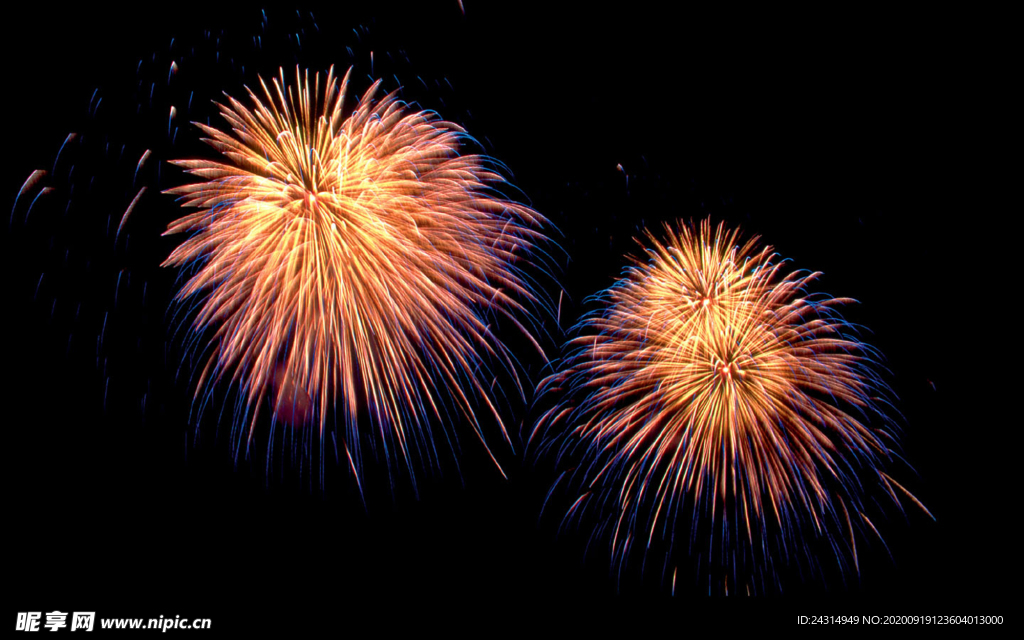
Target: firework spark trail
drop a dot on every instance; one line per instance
(360, 259)
(710, 376)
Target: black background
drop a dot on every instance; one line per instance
(852, 142)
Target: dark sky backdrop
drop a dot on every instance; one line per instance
(844, 140)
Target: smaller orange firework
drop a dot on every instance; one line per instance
(714, 378)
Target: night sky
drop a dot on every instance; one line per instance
(845, 141)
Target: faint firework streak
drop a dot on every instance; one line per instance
(355, 265)
(712, 382)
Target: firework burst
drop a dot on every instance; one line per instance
(353, 264)
(713, 382)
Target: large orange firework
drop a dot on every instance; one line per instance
(713, 378)
(356, 261)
